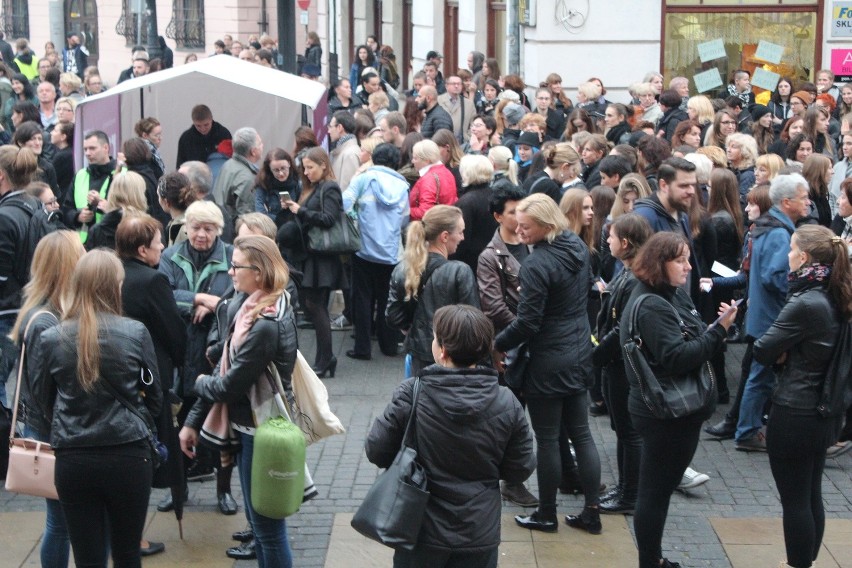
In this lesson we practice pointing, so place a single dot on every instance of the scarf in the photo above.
(808, 276)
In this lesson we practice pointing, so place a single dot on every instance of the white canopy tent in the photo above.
(238, 93)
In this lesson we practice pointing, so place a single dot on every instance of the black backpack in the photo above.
(38, 226)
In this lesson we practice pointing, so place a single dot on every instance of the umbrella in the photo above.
(171, 474)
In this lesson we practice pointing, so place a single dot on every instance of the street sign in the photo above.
(304, 4)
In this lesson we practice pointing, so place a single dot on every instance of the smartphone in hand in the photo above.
(285, 196)
(725, 313)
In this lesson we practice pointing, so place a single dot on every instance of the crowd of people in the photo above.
(500, 228)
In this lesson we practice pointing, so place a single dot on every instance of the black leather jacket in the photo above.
(451, 283)
(272, 338)
(806, 329)
(80, 419)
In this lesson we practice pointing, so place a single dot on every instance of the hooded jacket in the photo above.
(378, 199)
(767, 278)
(470, 433)
(552, 318)
(479, 224)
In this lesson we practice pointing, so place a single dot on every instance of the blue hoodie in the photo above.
(378, 200)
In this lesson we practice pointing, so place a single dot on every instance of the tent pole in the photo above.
(141, 104)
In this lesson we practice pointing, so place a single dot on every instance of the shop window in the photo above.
(16, 19)
(187, 24)
(738, 35)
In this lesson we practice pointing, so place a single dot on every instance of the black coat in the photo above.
(436, 119)
(194, 146)
(592, 175)
(470, 434)
(662, 330)
(552, 318)
(555, 124)
(479, 224)
(321, 270)
(147, 297)
(102, 234)
(63, 165)
(668, 123)
(546, 186)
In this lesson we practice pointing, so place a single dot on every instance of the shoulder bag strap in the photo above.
(126, 403)
(437, 188)
(21, 368)
(410, 427)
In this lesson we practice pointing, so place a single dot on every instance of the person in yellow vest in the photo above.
(83, 206)
(25, 60)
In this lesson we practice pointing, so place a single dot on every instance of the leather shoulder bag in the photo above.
(673, 396)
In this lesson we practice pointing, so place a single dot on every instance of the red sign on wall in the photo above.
(304, 4)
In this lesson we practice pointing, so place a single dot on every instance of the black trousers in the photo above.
(548, 416)
(104, 494)
(733, 414)
(426, 558)
(796, 445)
(370, 289)
(629, 442)
(667, 448)
(316, 308)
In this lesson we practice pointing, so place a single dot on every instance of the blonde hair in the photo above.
(127, 191)
(95, 291)
(631, 183)
(475, 170)
(571, 206)
(379, 98)
(772, 162)
(643, 89)
(67, 100)
(419, 235)
(257, 223)
(544, 211)
(716, 155)
(701, 105)
(590, 90)
(748, 148)
(562, 153)
(262, 252)
(50, 272)
(70, 80)
(369, 144)
(427, 151)
(501, 157)
(205, 212)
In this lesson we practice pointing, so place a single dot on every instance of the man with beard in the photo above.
(83, 206)
(436, 117)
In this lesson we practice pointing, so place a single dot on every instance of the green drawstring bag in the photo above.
(278, 468)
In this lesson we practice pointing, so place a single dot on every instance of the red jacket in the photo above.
(426, 193)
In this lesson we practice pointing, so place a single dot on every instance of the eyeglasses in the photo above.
(728, 122)
(281, 170)
(247, 267)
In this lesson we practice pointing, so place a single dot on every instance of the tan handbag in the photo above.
(31, 463)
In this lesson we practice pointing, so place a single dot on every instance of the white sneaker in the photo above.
(340, 323)
(692, 479)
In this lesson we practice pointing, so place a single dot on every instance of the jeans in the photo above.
(761, 380)
(270, 535)
(426, 558)
(548, 415)
(667, 448)
(55, 544)
(629, 443)
(104, 494)
(796, 446)
(6, 325)
(316, 308)
(370, 289)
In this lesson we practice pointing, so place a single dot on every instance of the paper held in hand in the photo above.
(722, 270)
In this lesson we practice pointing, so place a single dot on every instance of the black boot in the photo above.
(723, 430)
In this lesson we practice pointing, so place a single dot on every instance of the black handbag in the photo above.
(393, 509)
(673, 397)
(836, 395)
(341, 238)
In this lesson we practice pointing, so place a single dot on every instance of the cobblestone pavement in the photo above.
(741, 484)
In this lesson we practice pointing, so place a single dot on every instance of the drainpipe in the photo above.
(513, 38)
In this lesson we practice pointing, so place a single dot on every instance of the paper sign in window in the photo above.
(710, 50)
(768, 51)
(765, 79)
(707, 80)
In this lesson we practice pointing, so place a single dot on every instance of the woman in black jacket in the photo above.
(262, 332)
(552, 320)
(89, 372)
(674, 335)
(425, 280)
(138, 158)
(626, 235)
(802, 339)
(30, 134)
(319, 205)
(469, 433)
(53, 264)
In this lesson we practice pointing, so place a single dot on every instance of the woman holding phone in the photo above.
(277, 179)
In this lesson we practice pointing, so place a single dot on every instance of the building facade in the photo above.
(618, 41)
